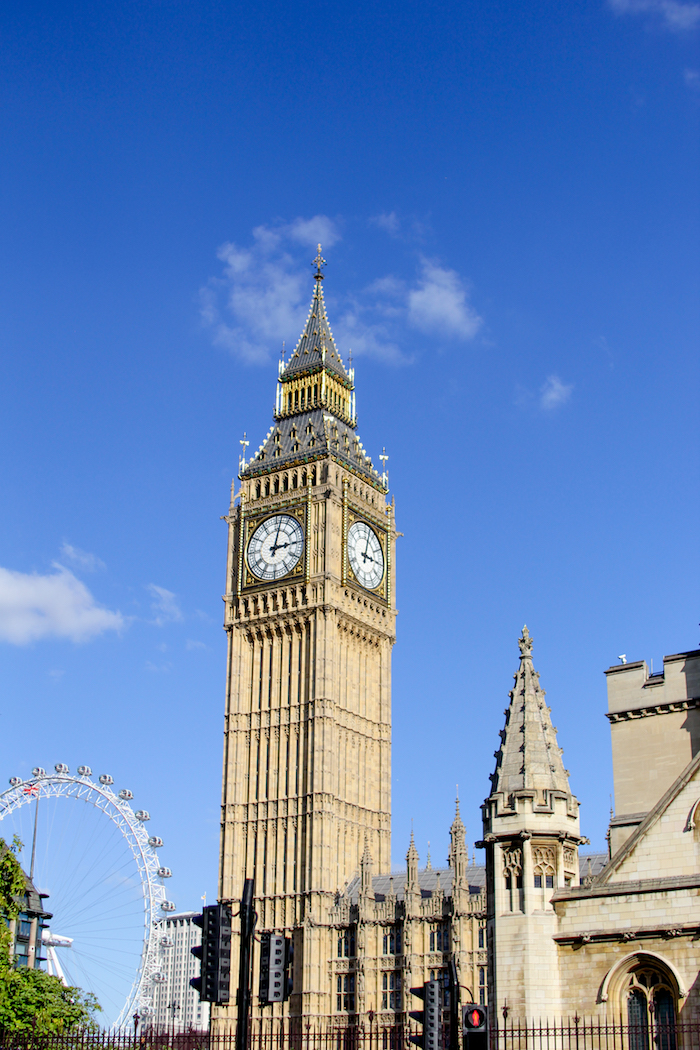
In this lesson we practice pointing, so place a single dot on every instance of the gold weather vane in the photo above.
(318, 262)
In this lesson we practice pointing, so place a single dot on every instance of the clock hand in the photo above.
(279, 526)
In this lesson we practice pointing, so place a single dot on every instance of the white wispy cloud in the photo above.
(677, 15)
(439, 303)
(55, 605)
(692, 79)
(387, 221)
(554, 393)
(263, 297)
(83, 559)
(191, 645)
(164, 605)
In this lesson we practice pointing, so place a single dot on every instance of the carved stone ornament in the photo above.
(525, 643)
(513, 861)
(543, 855)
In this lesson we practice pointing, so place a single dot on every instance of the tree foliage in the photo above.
(32, 1000)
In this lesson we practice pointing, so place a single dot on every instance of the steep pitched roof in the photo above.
(529, 757)
(316, 346)
(307, 436)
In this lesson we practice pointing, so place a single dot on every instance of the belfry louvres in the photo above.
(306, 803)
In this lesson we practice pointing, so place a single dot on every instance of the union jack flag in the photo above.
(30, 789)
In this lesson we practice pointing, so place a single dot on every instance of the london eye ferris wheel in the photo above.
(92, 854)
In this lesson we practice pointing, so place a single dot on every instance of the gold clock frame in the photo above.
(382, 530)
(247, 579)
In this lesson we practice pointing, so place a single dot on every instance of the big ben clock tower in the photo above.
(310, 617)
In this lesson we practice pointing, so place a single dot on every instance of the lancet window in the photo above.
(513, 876)
(346, 944)
(345, 998)
(440, 938)
(392, 941)
(391, 990)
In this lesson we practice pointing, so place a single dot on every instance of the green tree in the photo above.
(32, 1000)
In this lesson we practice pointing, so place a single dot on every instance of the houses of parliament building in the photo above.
(306, 800)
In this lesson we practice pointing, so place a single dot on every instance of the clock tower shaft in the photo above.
(307, 741)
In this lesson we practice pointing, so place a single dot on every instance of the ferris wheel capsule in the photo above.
(126, 795)
(149, 889)
(158, 978)
(167, 942)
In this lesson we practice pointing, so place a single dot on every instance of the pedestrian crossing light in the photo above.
(475, 1027)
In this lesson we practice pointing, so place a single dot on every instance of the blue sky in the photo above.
(507, 196)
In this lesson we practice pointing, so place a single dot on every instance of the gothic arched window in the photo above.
(648, 997)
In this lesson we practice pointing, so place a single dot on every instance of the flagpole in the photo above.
(36, 821)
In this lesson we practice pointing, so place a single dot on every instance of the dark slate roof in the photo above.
(316, 433)
(316, 337)
(427, 879)
(590, 864)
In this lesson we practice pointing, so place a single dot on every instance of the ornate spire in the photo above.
(316, 347)
(459, 856)
(412, 864)
(529, 756)
(315, 412)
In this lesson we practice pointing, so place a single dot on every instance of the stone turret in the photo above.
(531, 835)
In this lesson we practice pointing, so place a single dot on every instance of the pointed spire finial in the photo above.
(244, 442)
(318, 262)
(428, 863)
(525, 643)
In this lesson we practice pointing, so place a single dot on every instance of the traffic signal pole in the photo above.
(248, 918)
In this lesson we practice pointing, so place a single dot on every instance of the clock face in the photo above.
(275, 547)
(365, 554)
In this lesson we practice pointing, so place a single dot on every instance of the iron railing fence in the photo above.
(371, 1033)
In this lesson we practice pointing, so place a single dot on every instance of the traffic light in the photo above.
(475, 1027)
(429, 1039)
(276, 958)
(214, 953)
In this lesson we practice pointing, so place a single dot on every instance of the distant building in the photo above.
(176, 1003)
(617, 941)
(27, 928)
